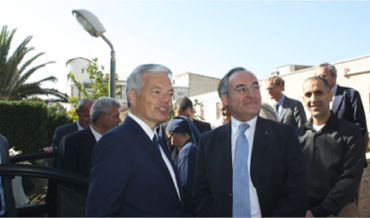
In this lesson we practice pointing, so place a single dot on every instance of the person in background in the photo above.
(183, 134)
(267, 112)
(333, 153)
(132, 173)
(183, 106)
(83, 113)
(75, 153)
(288, 110)
(250, 167)
(225, 116)
(346, 102)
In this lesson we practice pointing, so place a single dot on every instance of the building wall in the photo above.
(209, 108)
(199, 84)
(77, 67)
(190, 84)
(181, 80)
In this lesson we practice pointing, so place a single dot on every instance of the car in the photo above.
(38, 185)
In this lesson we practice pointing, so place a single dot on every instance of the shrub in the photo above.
(24, 124)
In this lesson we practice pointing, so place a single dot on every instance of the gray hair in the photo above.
(83, 102)
(326, 83)
(135, 81)
(223, 87)
(102, 105)
(331, 67)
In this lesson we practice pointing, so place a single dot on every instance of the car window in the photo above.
(35, 184)
(30, 195)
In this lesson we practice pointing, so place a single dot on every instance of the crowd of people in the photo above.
(258, 161)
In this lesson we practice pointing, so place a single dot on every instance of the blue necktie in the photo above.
(241, 199)
(277, 110)
(156, 142)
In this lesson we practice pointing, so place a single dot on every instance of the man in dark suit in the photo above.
(76, 149)
(83, 113)
(288, 110)
(260, 170)
(7, 208)
(346, 102)
(183, 106)
(132, 172)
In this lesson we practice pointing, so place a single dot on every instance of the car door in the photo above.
(35, 183)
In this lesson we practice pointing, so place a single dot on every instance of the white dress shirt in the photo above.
(150, 134)
(79, 127)
(249, 133)
(95, 133)
(334, 90)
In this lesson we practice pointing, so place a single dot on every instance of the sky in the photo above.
(202, 37)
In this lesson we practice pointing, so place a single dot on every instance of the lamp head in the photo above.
(89, 22)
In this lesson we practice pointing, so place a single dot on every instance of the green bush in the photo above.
(30, 125)
(56, 117)
(24, 124)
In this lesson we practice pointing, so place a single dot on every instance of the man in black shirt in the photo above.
(334, 155)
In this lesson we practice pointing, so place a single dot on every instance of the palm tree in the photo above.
(13, 75)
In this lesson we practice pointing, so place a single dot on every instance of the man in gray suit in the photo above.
(289, 111)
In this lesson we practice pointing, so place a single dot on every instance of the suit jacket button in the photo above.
(230, 194)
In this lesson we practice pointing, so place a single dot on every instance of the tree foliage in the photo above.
(14, 73)
(98, 88)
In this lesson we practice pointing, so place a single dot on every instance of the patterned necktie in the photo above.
(241, 199)
(277, 110)
(156, 142)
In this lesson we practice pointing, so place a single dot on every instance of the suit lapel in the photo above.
(178, 180)
(148, 147)
(337, 99)
(226, 168)
(283, 109)
(261, 140)
(90, 138)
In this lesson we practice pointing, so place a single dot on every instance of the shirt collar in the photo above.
(95, 133)
(79, 127)
(281, 101)
(235, 124)
(143, 125)
(330, 122)
(334, 89)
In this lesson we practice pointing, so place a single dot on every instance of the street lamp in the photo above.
(92, 25)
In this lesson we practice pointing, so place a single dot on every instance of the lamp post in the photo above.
(94, 27)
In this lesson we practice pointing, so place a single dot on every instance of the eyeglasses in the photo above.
(244, 89)
(270, 88)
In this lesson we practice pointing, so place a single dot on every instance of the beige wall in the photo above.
(199, 84)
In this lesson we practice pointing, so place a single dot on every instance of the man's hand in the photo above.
(309, 214)
(49, 149)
